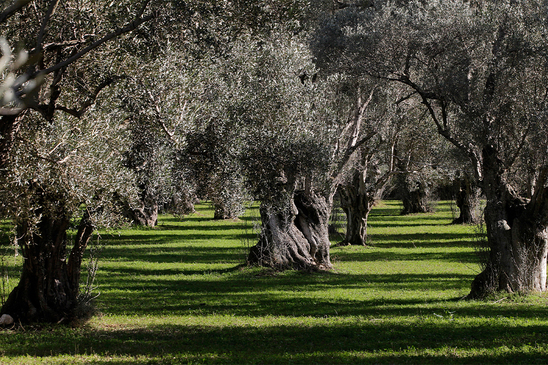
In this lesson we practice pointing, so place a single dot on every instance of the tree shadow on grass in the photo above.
(187, 254)
(233, 291)
(423, 240)
(398, 220)
(192, 236)
(366, 256)
(308, 342)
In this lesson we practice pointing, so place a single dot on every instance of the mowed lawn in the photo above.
(178, 294)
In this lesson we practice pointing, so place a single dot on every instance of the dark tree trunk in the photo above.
(415, 201)
(517, 234)
(226, 209)
(356, 202)
(183, 204)
(467, 200)
(147, 213)
(9, 125)
(48, 287)
(222, 212)
(295, 238)
(414, 196)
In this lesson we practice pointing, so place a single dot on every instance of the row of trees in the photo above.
(123, 109)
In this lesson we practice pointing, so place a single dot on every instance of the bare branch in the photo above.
(91, 98)
(12, 9)
(169, 134)
(126, 29)
(49, 13)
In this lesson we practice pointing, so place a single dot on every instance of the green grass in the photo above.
(177, 295)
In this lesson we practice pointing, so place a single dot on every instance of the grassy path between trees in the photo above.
(177, 295)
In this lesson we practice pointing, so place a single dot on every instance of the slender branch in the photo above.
(126, 29)
(407, 97)
(91, 98)
(10, 111)
(169, 134)
(143, 8)
(442, 126)
(49, 13)
(359, 118)
(12, 9)
(339, 171)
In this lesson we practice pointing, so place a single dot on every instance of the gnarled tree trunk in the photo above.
(467, 200)
(517, 234)
(414, 197)
(147, 213)
(356, 202)
(49, 285)
(296, 237)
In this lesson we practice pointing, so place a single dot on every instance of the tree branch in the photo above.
(348, 154)
(91, 98)
(126, 29)
(49, 13)
(12, 9)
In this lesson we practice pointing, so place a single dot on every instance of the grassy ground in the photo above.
(176, 295)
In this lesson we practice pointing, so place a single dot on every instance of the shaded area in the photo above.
(339, 342)
(416, 240)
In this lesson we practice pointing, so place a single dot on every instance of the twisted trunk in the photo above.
(357, 202)
(467, 200)
(414, 197)
(49, 285)
(517, 234)
(296, 237)
(147, 213)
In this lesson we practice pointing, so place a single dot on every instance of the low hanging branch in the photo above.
(91, 98)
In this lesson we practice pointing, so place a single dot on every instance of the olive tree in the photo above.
(58, 162)
(258, 92)
(301, 134)
(479, 71)
(362, 181)
(63, 171)
(159, 115)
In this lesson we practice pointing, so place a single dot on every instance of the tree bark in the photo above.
(467, 200)
(296, 237)
(222, 211)
(356, 202)
(49, 285)
(517, 235)
(147, 213)
(414, 198)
